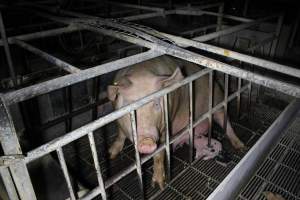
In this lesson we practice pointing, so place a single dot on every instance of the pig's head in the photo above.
(150, 117)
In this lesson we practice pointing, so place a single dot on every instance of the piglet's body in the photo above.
(142, 79)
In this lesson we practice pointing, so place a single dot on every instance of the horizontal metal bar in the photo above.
(71, 136)
(233, 29)
(54, 84)
(243, 171)
(136, 6)
(211, 26)
(115, 178)
(149, 15)
(42, 34)
(57, 62)
(232, 54)
(202, 12)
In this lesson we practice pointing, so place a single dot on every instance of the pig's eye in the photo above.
(156, 105)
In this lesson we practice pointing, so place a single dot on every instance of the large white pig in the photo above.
(150, 76)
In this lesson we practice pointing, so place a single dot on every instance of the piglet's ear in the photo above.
(175, 77)
(112, 92)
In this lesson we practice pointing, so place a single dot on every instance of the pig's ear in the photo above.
(112, 92)
(175, 77)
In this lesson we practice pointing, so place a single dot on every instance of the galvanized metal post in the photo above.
(7, 51)
(167, 132)
(8, 183)
(11, 146)
(219, 20)
(191, 121)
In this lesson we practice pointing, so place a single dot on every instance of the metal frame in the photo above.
(156, 41)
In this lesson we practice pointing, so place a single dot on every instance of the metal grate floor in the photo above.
(279, 173)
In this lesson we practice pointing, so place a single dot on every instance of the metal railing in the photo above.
(144, 37)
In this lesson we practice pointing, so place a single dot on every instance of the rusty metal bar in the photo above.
(167, 132)
(60, 63)
(97, 165)
(137, 154)
(63, 165)
(191, 121)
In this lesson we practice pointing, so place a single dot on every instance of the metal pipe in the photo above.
(149, 15)
(41, 34)
(210, 106)
(8, 183)
(136, 6)
(137, 153)
(235, 55)
(202, 12)
(243, 171)
(191, 32)
(63, 165)
(7, 51)
(238, 102)
(226, 88)
(54, 84)
(191, 121)
(11, 146)
(97, 165)
(57, 62)
(167, 132)
(232, 29)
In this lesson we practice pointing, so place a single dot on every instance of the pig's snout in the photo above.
(147, 145)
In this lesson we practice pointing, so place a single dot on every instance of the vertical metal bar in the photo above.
(294, 31)
(239, 97)
(191, 121)
(63, 165)
(7, 51)
(246, 5)
(68, 104)
(277, 34)
(95, 97)
(210, 105)
(226, 88)
(97, 165)
(137, 154)
(220, 18)
(168, 151)
(9, 184)
(11, 146)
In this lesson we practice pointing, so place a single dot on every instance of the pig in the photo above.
(140, 80)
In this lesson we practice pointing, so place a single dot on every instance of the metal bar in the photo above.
(136, 6)
(238, 102)
(8, 184)
(11, 146)
(63, 165)
(96, 191)
(277, 34)
(191, 121)
(137, 154)
(7, 51)
(190, 32)
(54, 84)
(202, 12)
(294, 33)
(239, 56)
(243, 171)
(167, 132)
(97, 165)
(149, 15)
(42, 34)
(226, 90)
(232, 29)
(220, 17)
(60, 63)
(210, 106)
(246, 5)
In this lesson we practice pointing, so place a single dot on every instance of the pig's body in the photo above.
(145, 78)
